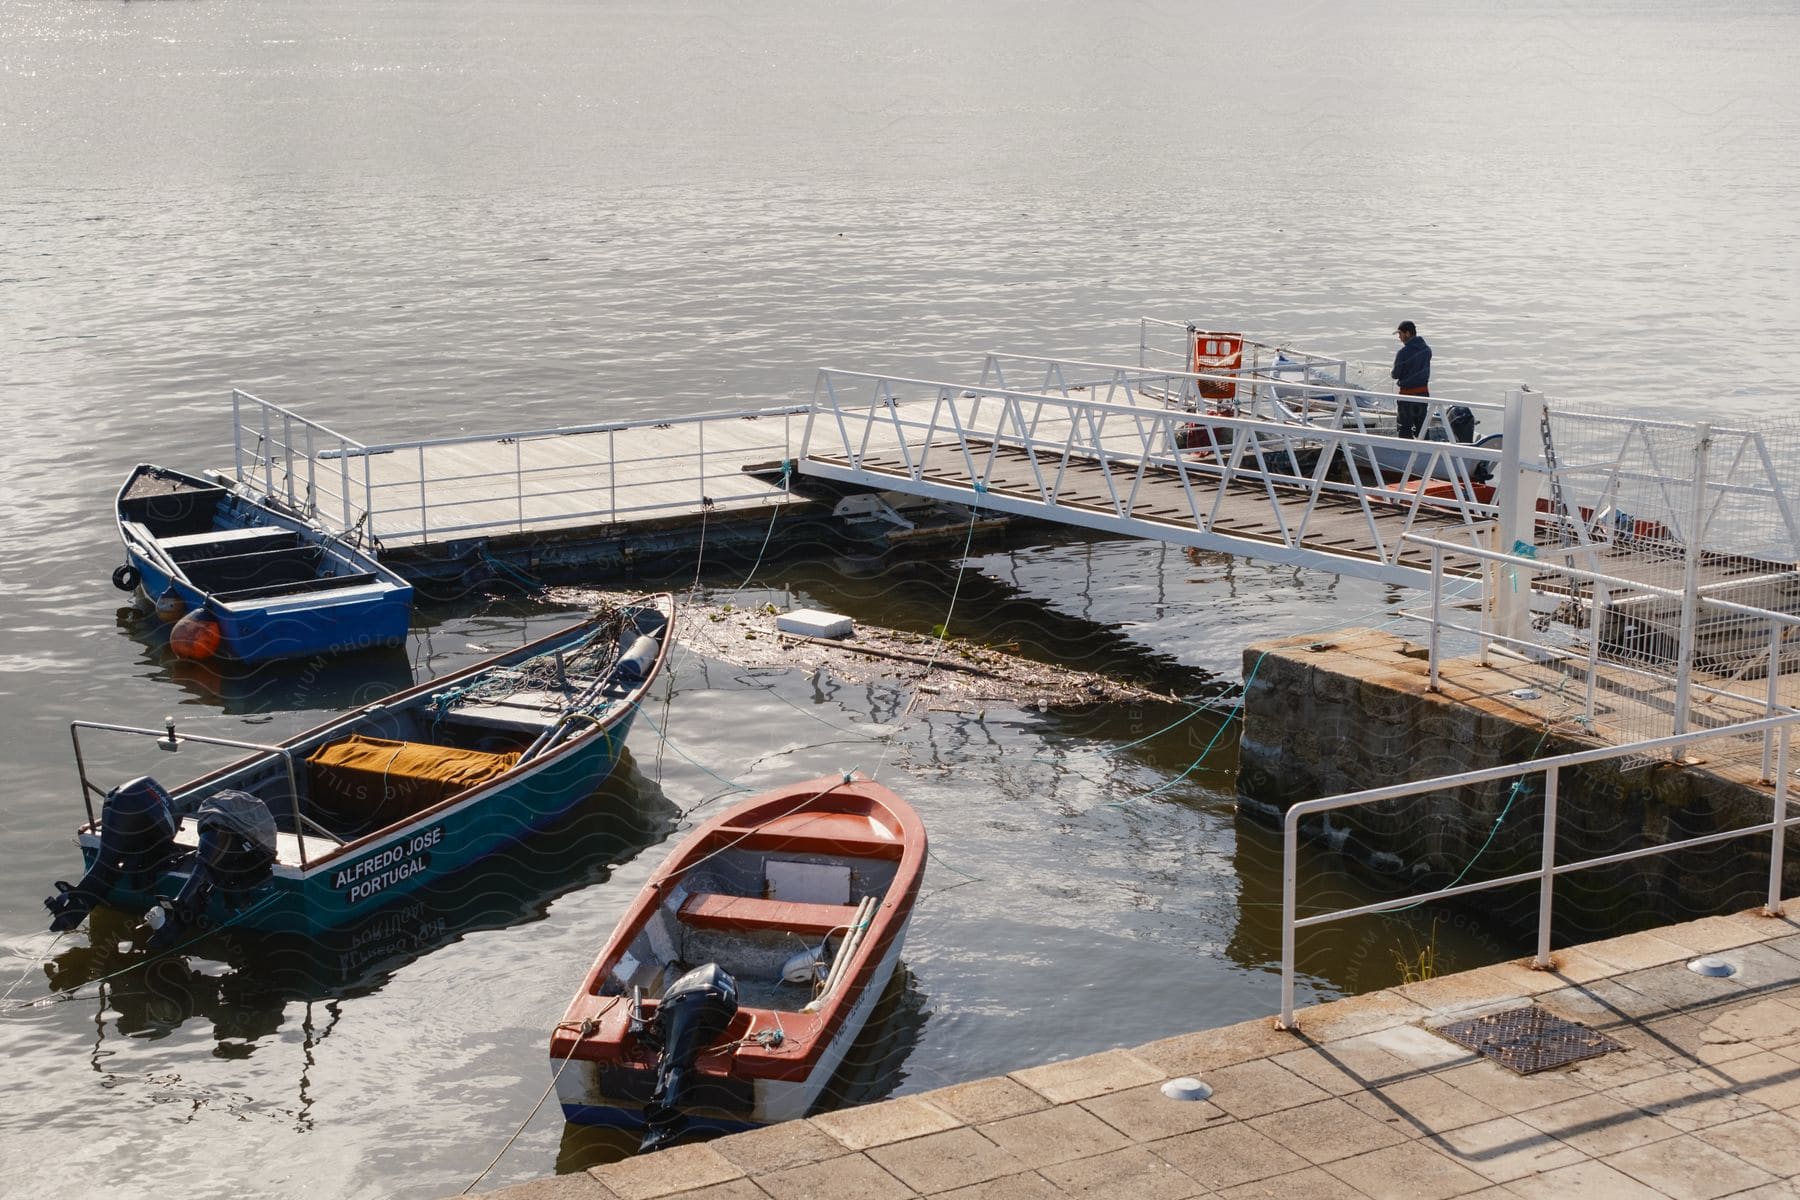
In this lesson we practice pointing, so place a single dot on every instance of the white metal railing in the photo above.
(1596, 598)
(612, 487)
(302, 463)
(944, 437)
(1549, 868)
(429, 488)
(1311, 391)
(168, 739)
(1169, 345)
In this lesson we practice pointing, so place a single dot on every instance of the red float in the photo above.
(170, 607)
(196, 636)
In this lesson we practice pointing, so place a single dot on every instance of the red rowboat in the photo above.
(730, 992)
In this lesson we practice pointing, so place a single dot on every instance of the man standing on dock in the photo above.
(1412, 374)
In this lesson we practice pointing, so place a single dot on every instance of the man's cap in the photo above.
(1406, 327)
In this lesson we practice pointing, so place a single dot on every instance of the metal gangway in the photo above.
(1293, 472)
(1592, 534)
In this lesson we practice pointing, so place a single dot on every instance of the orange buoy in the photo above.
(196, 635)
(170, 606)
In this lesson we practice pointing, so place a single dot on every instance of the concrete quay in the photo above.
(1364, 1100)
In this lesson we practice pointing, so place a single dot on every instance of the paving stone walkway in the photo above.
(1702, 1101)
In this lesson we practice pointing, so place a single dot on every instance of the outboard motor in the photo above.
(236, 855)
(692, 1013)
(1461, 419)
(137, 843)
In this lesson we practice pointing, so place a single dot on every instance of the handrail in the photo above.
(304, 455)
(1780, 623)
(735, 414)
(1574, 572)
(1548, 868)
(309, 461)
(857, 412)
(173, 741)
(1108, 408)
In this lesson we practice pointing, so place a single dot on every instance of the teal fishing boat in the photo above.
(316, 831)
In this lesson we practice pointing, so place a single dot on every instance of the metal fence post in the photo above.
(1437, 609)
(1778, 839)
(1775, 628)
(1547, 867)
(369, 494)
(312, 473)
(1290, 869)
(237, 434)
(1598, 599)
(424, 506)
(287, 455)
(267, 459)
(1690, 585)
(1517, 503)
(344, 482)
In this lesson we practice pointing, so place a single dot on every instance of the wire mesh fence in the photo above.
(1666, 565)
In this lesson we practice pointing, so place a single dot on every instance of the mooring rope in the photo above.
(943, 631)
(587, 1028)
(70, 993)
(1236, 709)
(30, 967)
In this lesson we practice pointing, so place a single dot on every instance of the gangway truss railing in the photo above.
(1167, 473)
(1549, 869)
(1313, 392)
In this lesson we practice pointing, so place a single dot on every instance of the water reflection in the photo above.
(1363, 954)
(244, 984)
(334, 682)
(875, 1065)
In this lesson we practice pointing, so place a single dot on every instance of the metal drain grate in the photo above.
(1528, 1040)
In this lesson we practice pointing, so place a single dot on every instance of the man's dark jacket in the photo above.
(1412, 366)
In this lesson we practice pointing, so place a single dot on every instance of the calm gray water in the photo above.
(427, 217)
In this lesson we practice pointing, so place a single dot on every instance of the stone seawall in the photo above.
(1354, 712)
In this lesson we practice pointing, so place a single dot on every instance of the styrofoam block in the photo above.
(810, 622)
(807, 882)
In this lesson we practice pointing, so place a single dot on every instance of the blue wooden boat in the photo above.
(243, 578)
(317, 831)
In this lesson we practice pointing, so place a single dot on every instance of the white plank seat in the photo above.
(529, 711)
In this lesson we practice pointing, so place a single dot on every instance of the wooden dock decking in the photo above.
(1337, 526)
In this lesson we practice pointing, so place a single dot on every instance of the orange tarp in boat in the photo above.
(371, 782)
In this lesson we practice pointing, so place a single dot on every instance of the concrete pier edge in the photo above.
(1364, 1100)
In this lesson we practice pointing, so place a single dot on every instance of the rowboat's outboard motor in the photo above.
(694, 1011)
(236, 855)
(137, 841)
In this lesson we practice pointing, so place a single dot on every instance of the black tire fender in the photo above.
(125, 578)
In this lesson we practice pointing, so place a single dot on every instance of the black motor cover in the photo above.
(691, 1015)
(236, 855)
(1461, 419)
(137, 842)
